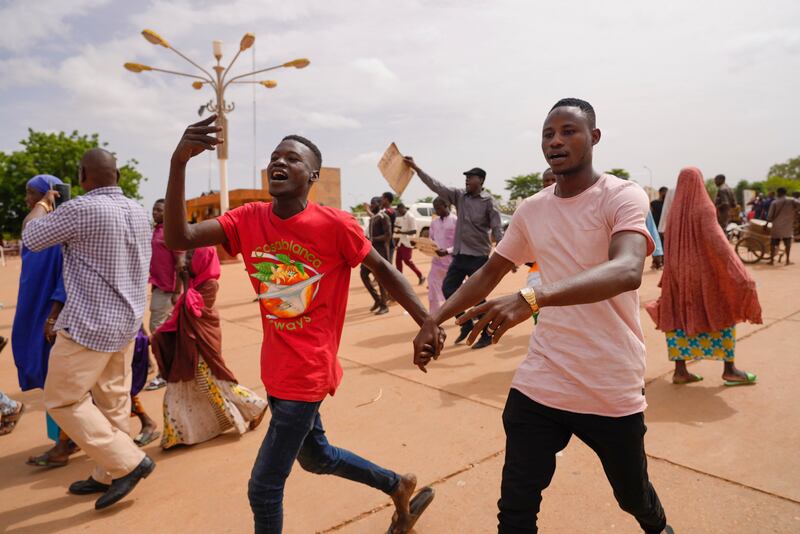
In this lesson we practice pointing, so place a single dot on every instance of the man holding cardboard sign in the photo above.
(477, 216)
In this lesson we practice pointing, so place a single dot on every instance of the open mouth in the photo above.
(278, 176)
(556, 157)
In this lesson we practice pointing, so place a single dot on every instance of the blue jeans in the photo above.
(295, 432)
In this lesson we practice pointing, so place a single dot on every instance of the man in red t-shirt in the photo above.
(299, 256)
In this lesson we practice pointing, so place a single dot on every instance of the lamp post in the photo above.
(218, 81)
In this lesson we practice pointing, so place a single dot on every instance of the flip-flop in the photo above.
(697, 378)
(44, 460)
(751, 381)
(417, 505)
(146, 437)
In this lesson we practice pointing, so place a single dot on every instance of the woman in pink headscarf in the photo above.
(705, 288)
(203, 399)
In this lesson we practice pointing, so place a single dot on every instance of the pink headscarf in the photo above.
(705, 287)
(205, 266)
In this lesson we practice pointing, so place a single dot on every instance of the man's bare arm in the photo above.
(179, 234)
(621, 273)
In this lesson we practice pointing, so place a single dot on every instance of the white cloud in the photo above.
(331, 121)
(367, 158)
(23, 23)
(418, 73)
(24, 71)
(376, 69)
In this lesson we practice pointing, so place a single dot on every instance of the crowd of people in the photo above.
(87, 263)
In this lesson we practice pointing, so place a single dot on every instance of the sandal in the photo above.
(695, 378)
(146, 437)
(417, 505)
(750, 380)
(45, 460)
(10, 421)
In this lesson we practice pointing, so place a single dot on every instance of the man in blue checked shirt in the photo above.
(106, 239)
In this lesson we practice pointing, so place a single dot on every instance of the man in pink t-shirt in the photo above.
(299, 256)
(584, 372)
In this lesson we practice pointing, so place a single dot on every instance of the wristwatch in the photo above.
(529, 295)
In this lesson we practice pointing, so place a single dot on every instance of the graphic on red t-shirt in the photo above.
(300, 270)
(287, 286)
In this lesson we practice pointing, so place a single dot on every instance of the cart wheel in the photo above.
(750, 250)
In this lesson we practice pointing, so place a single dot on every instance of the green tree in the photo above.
(790, 169)
(58, 154)
(496, 197)
(711, 188)
(620, 173)
(524, 185)
(774, 182)
(425, 200)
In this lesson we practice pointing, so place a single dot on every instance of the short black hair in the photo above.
(663, 189)
(388, 196)
(720, 176)
(442, 200)
(159, 201)
(401, 205)
(781, 191)
(583, 105)
(311, 146)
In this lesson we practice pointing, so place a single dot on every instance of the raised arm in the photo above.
(447, 193)
(621, 273)
(179, 234)
(44, 228)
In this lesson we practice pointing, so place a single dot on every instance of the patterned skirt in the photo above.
(719, 345)
(202, 409)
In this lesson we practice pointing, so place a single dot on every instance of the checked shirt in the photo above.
(106, 242)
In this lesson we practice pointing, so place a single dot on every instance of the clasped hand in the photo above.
(496, 316)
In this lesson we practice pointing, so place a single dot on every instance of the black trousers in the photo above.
(381, 295)
(461, 268)
(535, 433)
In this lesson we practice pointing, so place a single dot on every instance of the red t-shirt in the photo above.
(300, 268)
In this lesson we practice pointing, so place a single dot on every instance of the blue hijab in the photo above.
(40, 284)
(43, 182)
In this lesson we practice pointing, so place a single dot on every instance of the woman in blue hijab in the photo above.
(41, 297)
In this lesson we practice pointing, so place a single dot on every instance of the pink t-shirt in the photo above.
(162, 262)
(587, 358)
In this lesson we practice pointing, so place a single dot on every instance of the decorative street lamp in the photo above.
(219, 82)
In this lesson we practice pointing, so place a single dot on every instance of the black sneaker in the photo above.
(87, 487)
(466, 328)
(668, 530)
(120, 487)
(484, 341)
(382, 310)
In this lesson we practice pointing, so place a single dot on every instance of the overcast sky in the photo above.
(456, 83)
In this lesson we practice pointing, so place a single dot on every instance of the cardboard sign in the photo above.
(425, 245)
(396, 171)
